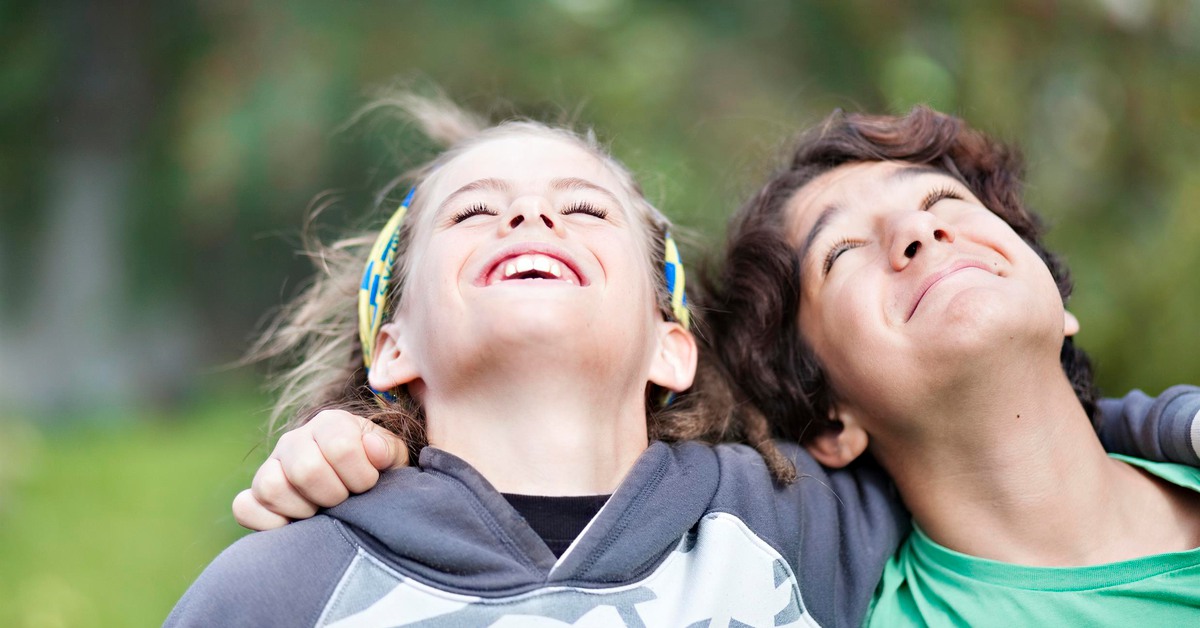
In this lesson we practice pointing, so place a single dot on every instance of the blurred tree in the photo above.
(77, 329)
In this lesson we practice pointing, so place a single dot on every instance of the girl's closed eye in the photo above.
(584, 207)
(478, 209)
(836, 251)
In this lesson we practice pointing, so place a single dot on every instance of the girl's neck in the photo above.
(542, 435)
(1021, 477)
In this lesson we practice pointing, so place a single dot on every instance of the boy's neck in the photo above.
(542, 435)
(1018, 475)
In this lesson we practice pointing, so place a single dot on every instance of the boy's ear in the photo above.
(836, 448)
(391, 367)
(1070, 324)
(674, 364)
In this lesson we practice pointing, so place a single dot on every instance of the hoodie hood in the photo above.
(445, 523)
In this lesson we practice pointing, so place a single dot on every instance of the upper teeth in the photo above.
(535, 261)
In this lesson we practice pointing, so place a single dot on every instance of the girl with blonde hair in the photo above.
(521, 318)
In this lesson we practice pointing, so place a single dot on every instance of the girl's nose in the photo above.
(531, 211)
(520, 218)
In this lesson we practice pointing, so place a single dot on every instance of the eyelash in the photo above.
(939, 194)
(845, 244)
(474, 210)
(836, 250)
(584, 207)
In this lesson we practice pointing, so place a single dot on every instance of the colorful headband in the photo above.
(372, 292)
(673, 271)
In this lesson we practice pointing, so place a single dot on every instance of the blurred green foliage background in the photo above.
(157, 159)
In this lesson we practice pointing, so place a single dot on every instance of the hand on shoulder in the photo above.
(318, 464)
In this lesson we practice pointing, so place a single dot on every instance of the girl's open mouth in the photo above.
(532, 266)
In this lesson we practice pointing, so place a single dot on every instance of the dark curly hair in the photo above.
(752, 300)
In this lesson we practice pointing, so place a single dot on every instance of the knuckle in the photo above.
(302, 510)
(362, 480)
(306, 471)
(329, 417)
(286, 441)
(332, 496)
(270, 486)
(342, 449)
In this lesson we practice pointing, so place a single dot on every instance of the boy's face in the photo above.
(527, 241)
(907, 282)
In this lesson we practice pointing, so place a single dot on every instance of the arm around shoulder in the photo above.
(1164, 428)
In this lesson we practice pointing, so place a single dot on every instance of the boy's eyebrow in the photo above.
(907, 172)
(822, 221)
(575, 183)
(916, 170)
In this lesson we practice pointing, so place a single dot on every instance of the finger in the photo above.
(311, 475)
(341, 444)
(253, 515)
(272, 489)
(384, 449)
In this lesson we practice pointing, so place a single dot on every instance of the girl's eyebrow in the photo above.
(575, 183)
(499, 185)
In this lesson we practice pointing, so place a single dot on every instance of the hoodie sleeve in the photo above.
(1161, 429)
(835, 527)
(853, 521)
(281, 577)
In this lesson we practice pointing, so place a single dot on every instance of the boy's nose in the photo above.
(914, 232)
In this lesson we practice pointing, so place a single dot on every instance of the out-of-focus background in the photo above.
(157, 158)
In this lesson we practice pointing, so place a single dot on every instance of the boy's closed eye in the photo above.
(835, 251)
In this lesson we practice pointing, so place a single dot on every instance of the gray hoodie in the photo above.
(695, 535)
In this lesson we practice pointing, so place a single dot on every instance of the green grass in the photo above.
(107, 525)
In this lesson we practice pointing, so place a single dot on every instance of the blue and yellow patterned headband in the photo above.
(373, 290)
(673, 271)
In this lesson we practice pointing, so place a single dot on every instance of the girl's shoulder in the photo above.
(278, 577)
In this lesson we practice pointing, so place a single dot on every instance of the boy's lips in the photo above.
(532, 262)
(933, 279)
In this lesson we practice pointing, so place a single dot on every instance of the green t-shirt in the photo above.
(927, 584)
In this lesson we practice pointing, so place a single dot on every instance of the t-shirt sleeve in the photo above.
(1163, 429)
(281, 577)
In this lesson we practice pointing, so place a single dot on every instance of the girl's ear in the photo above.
(391, 367)
(1070, 324)
(836, 448)
(674, 363)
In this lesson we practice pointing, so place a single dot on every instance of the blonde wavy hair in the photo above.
(313, 341)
